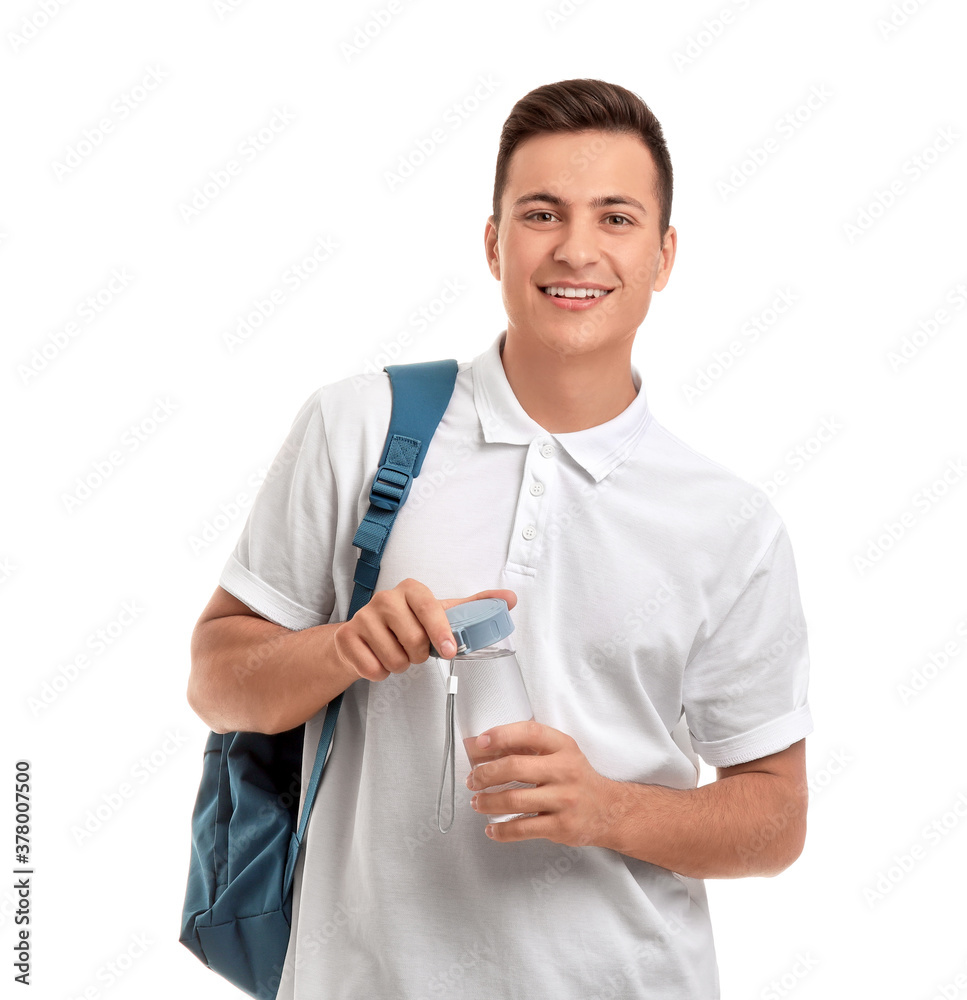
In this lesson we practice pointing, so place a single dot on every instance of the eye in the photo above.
(624, 223)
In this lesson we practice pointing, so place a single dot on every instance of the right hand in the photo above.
(395, 628)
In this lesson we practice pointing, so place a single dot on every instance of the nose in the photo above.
(578, 244)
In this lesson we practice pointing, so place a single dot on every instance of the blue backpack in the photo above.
(246, 831)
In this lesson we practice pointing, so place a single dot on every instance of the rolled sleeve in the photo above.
(745, 689)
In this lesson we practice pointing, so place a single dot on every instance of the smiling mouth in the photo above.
(560, 292)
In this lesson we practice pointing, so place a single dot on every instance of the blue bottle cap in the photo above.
(476, 624)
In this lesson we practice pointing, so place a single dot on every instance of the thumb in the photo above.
(507, 595)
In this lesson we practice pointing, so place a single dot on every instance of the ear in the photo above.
(668, 249)
(490, 247)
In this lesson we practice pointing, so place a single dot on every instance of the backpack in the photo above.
(246, 831)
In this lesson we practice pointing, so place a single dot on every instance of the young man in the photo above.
(643, 591)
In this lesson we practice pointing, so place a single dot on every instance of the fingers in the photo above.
(513, 801)
(569, 798)
(355, 651)
(396, 627)
(521, 829)
(519, 737)
(507, 595)
(431, 621)
(394, 630)
(529, 769)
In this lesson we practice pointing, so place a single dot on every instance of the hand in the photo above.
(574, 804)
(395, 628)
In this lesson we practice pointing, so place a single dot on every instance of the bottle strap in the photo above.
(449, 749)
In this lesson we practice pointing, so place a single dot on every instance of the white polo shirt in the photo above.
(651, 581)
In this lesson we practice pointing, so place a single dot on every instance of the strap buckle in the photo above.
(391, 486)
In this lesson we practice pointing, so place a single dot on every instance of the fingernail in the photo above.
(483, 741)
(448, 648)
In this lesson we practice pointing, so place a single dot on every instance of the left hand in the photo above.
(574, 804)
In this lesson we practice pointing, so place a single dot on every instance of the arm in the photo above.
(750, 821)
(249, 674)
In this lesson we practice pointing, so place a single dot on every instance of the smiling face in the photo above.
(579, 216)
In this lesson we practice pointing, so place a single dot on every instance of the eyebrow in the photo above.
(601, 201)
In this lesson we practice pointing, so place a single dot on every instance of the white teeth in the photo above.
(575, 293)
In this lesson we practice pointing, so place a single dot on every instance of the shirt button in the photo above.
(529, 532)
(547, 450)
(537, 489)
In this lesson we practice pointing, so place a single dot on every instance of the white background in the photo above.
(848, 919)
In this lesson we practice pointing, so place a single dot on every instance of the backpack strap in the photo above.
(421, 394)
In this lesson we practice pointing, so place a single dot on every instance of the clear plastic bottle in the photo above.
(485, 688)
(490, 693)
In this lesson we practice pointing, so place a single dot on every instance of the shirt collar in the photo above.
(599, 450)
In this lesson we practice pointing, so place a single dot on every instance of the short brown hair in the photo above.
(585, 105)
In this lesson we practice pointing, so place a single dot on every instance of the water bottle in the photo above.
(484, 687)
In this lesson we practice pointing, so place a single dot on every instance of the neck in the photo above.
(568, 392)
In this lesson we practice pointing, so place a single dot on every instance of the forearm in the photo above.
(747, 824)
(251, 675)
